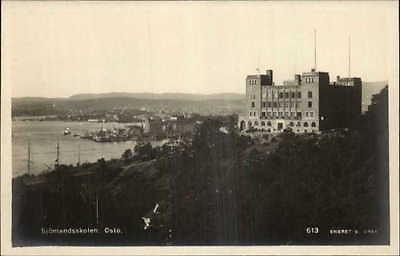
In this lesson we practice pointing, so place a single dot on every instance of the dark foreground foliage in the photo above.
(221, 189)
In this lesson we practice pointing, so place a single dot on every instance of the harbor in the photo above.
(74, 148)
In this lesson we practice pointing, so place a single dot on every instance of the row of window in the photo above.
(298, 130)
(274, 104)
(284, 114)
(252, 81)
(269, 104)
(291, 124)
(309, 114)
(307, 80)
(310, 79)
(286, 95)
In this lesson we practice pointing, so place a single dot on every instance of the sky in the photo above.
(58, 49)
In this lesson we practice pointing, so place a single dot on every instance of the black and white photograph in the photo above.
(212, 125)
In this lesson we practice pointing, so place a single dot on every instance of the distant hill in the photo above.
(160, 96)
(209, 105)
(223, 103)
(369, 89)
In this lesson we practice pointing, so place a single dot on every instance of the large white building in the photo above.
(309, 103)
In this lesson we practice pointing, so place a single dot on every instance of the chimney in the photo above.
(270, 77)
(297, 78)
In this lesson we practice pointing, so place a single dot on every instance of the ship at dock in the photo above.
(108, 135)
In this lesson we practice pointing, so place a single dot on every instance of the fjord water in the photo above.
(43, 136)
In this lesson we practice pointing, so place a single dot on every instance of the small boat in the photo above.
(67, 131)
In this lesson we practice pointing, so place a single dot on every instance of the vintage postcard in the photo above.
(215, 127)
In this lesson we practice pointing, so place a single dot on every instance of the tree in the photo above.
(144, 151)
(127, 155)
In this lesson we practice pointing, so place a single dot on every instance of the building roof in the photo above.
(254, 76)
(312, 72)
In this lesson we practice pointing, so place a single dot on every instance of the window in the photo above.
(280, 114)
(281, 95)
(269, 123)
(263, 114)
(274, 114)
(262, 123)
(292, 95)
(275, 104)
(291, 113)
(298, 125)
(253, 105)
(264, 104)
(291, 124)
(268, 113)
(310, 104)
(269, 104)
(311, 114)
(305, 124)
(254, 113)
(249, 123)
(310, 95)
(286, 95)
(313, 124)
(299, 95)
(251, 113)
(255, 122)
(299, 114)
(306, 114)
(286, 113)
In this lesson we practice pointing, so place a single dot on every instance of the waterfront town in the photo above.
(310, 103)
(144, 127)
(165, 125)
(210, 164)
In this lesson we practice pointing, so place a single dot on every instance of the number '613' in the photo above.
(312, 230)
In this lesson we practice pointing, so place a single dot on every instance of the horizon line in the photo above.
(157, 93)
